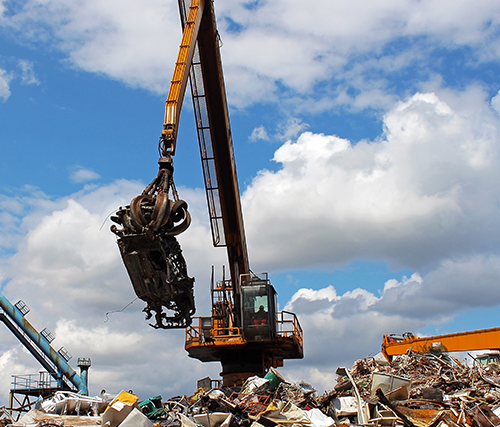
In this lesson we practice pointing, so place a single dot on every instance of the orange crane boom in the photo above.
(483, 339)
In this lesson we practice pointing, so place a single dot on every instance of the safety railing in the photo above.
(35, 349)
(42, 380)
(200, 333)
(288, 326)
(193, 333)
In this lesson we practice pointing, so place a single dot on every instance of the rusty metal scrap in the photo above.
(414, 390)
(443, 391)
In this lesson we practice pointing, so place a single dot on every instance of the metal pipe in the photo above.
(24, 341)
(42, 343)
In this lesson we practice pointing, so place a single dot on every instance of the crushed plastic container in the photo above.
(136, 419)
(119, 409)
(389, 383)
(274, 379)
(152, 407)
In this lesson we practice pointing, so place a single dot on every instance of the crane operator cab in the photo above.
(258, 307)
(245, 333)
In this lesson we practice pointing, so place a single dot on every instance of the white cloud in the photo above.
(495, 102)
(291, 128)
(80, 174)
(340, 329)
(28, 75)
(299, 46)
(66, 266)
(335, 50)
(259, 133)
(5, 79)
(124, 41)
(422, 195)
(12, 362)
(419, 194)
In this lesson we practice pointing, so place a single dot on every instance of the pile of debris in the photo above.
(413, 391)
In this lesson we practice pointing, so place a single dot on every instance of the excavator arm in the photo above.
(216, 131)
(483, 339)
(244, 331)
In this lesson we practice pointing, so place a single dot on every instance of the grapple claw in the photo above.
(151, 254)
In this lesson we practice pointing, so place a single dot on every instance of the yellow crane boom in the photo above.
(173, 104)
(482, 339)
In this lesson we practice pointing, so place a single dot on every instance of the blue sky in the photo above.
(367, 145)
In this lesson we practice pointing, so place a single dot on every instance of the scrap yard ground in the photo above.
(415, 390)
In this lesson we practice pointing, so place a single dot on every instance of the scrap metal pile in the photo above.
(414, 390)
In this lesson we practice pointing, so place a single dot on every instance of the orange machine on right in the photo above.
(483, 339)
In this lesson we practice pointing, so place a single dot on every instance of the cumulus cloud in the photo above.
(125, 42)
(344, 328)
(341, 329)
(27, 76)
(338, 51)
(259, 133)
(495, 102)
(63, 261)
(12, 361)
(419, 194)
(332, 50)
(291, 128)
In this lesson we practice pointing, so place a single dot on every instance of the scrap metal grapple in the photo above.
(151, 254)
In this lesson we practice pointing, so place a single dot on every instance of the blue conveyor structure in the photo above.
(38, 344)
